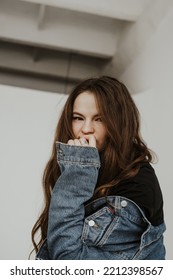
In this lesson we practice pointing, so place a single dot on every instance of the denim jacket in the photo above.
(112, 228)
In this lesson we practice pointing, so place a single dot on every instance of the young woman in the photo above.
(102, 197)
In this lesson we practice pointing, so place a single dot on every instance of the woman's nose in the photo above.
(87, 127)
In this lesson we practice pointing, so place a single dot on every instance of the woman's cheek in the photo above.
(76, 129)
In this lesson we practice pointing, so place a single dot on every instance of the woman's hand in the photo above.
(89, 141)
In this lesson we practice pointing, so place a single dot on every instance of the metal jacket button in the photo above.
(91, 223)
(123, 203)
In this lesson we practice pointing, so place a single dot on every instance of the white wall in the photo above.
(151, 76)
(27, 123)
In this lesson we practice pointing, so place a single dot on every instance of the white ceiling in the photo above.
(89, 27)
(117, 9)
(63, 39)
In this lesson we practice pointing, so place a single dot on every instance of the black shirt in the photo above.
(144, 190)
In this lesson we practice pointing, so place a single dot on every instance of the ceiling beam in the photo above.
(58, 29)
(51, 63)
(117, 9)
(41, 16)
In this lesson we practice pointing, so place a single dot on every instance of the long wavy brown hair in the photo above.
(123, 153)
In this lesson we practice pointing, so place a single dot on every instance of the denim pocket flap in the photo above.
(98, 226)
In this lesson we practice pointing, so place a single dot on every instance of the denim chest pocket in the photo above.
(98, 226)
(118, 231)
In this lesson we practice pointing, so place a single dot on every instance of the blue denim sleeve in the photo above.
(79, 172)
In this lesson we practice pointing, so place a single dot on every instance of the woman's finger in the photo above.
(83, 141)
(70, 142)
(77, 142)
(92, 141)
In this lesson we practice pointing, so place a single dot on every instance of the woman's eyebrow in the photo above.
(77, 113)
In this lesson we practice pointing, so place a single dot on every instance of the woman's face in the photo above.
(86, 119)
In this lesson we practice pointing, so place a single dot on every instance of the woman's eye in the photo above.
(76, 118)
(98, 120)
